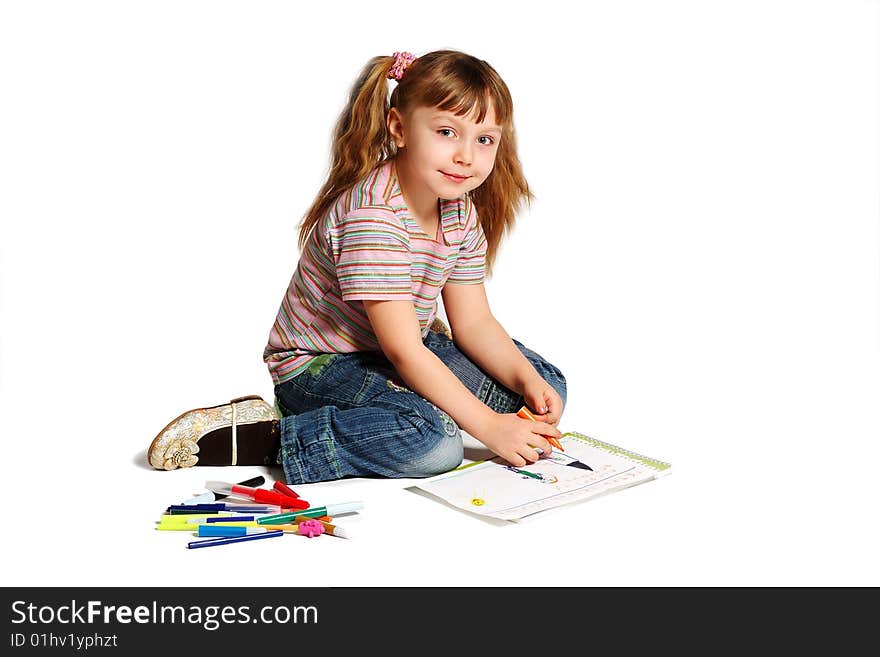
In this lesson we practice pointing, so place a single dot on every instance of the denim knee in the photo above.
(435, 448)
(558, 383)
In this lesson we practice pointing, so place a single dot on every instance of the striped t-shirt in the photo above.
(370, 247)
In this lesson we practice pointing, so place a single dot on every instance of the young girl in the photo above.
(368, 381)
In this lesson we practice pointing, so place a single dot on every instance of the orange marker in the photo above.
(333, 530)
(526, 414)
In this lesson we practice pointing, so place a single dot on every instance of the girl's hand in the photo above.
(543, 400)
(514, 439)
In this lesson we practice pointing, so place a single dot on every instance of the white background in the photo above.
(701, 261)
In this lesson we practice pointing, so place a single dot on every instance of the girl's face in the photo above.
(449, 154)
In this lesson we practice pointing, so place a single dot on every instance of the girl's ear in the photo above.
(395, 127)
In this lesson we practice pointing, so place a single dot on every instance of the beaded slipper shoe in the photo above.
(242, 432)
(439, 326)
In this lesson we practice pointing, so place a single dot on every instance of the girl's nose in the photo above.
(464, 153)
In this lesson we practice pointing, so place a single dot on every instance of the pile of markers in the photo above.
(232, 513)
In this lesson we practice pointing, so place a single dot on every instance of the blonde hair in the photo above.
(451, 81)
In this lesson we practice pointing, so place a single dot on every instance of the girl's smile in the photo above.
(454, 178)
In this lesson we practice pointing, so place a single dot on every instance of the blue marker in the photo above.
(196, 508)
(220, 530)
(253, 508)
(230, 518)
(211, 542)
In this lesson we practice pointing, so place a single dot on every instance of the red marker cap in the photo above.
(271, 497)
(282, 488)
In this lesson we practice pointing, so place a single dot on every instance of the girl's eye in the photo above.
(444, 131)
(489, 141)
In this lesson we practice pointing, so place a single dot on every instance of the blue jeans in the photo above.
(349, 415)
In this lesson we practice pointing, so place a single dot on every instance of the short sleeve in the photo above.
(371, 251)
(470, 266)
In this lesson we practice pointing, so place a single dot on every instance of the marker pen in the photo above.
(253, 508)
(211, 496)
(329, 510)
(281, 487)
(230, 519)
(526, 414)
(208, 530)
(197, 508)
(333, 530)
(226, 540)
(257, 494)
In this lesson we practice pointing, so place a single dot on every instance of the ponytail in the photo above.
(360, 140)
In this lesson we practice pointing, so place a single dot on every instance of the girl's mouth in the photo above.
(452, 177)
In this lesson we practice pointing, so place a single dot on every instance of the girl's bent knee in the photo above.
(560, 386)
(445, 456)
(437, 449)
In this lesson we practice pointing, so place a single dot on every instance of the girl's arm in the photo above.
(479, 335)
(397, 329)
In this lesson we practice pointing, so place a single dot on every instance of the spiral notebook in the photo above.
(586, 469)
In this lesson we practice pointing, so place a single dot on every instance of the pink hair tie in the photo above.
(402, 60)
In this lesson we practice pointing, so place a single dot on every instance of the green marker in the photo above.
(329, 510)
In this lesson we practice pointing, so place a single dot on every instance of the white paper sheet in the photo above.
(495, 489)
